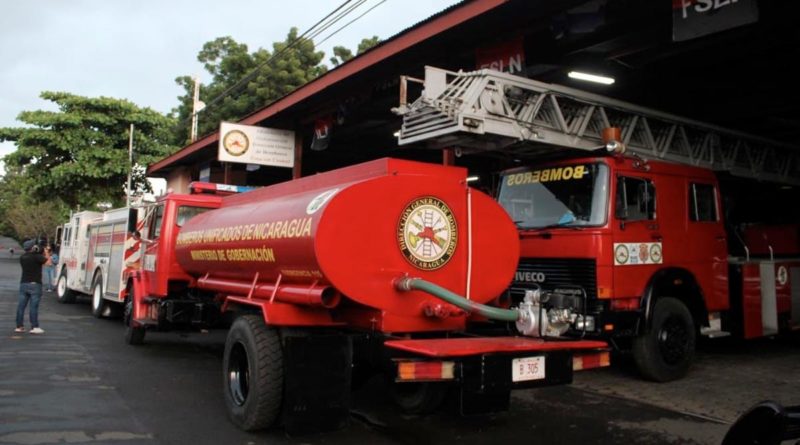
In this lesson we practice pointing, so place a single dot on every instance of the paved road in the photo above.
(79, 383)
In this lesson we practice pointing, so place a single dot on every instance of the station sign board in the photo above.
(248, 144)
(696, 18)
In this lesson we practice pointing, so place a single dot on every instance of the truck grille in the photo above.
(553, 273)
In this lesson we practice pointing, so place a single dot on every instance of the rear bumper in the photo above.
(485, 364)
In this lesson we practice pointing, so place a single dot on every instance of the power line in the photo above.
(252, 73)
(349, 23)
(329, 20)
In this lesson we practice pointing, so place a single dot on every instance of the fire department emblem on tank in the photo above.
(427, 233)
(236, 142)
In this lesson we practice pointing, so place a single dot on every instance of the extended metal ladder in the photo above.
(489, 110)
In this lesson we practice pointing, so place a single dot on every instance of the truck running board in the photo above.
(706, 332)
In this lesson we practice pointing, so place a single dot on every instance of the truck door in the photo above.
(92, 260)
(709, 252)
(637, 239)
(150, 239)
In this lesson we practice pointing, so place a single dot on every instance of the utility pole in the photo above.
(130, 166)
(197, 106)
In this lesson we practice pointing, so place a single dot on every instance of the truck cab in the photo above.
(157, 288)
(162, 223)
(624, 249)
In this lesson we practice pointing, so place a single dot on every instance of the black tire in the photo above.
(64, 294)
(99, 304)
(418, 398)
(115, 310)
(133, 335)
(666, 351)
(253, 374)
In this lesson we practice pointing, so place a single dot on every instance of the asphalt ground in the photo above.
(79, 383)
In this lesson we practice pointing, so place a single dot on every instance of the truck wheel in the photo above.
(665, 352)
(253, 373)
(99, 305)
(133, 335)
(63, 293)
(418, 398)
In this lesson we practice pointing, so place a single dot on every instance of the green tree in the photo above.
(22, 216)
(228, 61)
(79, 154)
(366, 44)
(342, 54)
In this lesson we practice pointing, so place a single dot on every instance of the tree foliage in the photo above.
(342, 54)
(34, 219)
(79, 154)
(228, 61)
(22, 216)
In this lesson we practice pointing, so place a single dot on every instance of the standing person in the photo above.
(30, 287)
(50, 268)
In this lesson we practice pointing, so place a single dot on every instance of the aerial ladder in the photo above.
(487, 110)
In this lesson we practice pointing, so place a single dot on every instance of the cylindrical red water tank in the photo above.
(357, 230)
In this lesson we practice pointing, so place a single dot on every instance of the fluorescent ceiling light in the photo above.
(591, 77)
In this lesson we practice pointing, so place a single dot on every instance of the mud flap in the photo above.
(487, 383)
(317, 377)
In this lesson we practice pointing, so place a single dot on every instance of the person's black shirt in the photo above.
(32, 267)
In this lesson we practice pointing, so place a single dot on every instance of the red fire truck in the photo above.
(638, 251)
(391, 266)
(622, 248)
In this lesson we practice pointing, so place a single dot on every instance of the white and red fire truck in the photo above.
(95, 250)
(620, 214)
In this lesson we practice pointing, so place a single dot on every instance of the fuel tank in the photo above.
(357, 230)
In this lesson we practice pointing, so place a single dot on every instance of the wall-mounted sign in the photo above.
(508, 56)
(695, 18)
(249, 144)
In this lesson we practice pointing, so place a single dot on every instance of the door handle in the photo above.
(720, 238)
(657, 237)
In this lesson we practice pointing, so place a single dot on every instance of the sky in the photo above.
(134, 49)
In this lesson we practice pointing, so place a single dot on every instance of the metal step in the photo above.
(706, 332)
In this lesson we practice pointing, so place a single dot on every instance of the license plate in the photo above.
(527, 368)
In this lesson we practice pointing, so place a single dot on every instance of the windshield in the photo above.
(186, 213)
(572, 195)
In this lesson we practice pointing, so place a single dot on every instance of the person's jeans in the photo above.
(48, 277)
(29, 292)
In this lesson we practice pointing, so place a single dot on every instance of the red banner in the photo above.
(508, 56)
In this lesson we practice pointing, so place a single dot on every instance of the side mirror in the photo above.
(133, 216)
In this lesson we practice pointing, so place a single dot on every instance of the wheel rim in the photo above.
(97, 295)
(673, 340)
(62, 285)
(238, 374)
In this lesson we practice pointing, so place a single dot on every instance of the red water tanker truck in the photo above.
(391, 266)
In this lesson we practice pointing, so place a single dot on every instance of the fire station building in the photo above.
(717, 62)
